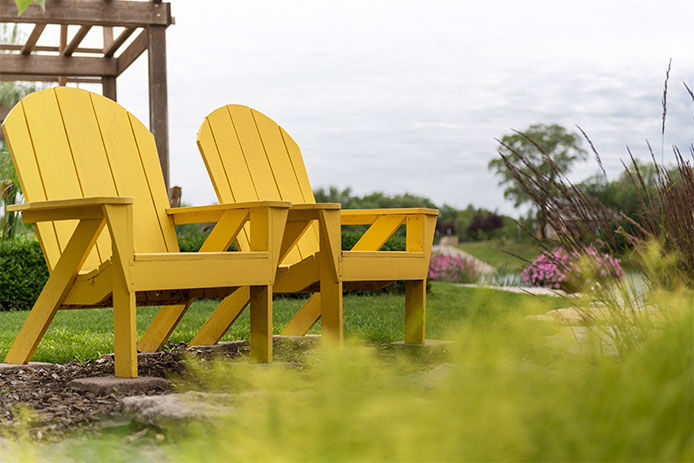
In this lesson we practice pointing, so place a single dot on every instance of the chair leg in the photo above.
(124, 333)
(331, 310)
(305, 318)
(162, 326)
(261, 324)
(32, 330)
(222, 318)
(57, 286)
(415, 311)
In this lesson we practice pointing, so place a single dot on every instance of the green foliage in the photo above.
(23, 273)
(621, 196)
(191, 236)
(22, 5)
(540, 152)
(552, 151)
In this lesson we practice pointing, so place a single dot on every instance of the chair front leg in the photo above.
(330, 276)
(261, 324)
(415, 311)
(120, 224)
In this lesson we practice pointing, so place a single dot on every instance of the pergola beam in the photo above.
(47, 78)
(33, 38)
(76, 40)
(90, 13)
(57, 65)
(16, 47)
(134, 50)
(111, 48)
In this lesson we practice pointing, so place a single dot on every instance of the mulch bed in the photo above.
(55, 408)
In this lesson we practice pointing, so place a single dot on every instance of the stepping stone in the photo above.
(7, 367)
(111, 384)
(171, 407)
(431, 343)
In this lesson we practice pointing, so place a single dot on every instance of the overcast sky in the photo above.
(401, 96)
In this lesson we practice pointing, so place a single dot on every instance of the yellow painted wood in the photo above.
(330, 278)
(84, 161)
(184, 271)
(221, 237)
(369, 216)
(58, 171)
(222, 318)
(22, 151)
(165, 321)
(378, 233)
(204, 214)
(248, 156)
(261, 324)
(415, 311)
(305, 318)
(119, 219)
(54, 291)
(225, 231)
(292, 234)
(296, 277)
(88, 154)
(134, 164)
(414, 234)
(383, 265)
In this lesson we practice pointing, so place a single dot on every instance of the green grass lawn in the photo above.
(496, 253)
(83, 335)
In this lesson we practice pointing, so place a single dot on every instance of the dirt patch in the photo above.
(55, 408)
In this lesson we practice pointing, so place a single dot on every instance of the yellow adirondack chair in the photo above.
(84, 164)
(249, 157)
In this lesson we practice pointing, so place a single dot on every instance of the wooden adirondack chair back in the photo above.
(249, 157)
(69, 143)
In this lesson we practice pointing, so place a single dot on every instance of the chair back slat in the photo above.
(70, 143)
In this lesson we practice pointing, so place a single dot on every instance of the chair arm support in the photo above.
(306, 212)
(208, 214)
(68, 209)
(369, 216)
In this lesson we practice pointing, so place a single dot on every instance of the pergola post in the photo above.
(71, 62)
(158, 97)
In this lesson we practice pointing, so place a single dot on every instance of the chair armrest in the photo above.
(306, 212)
(207, 214)
(67, 209)
(368, 216)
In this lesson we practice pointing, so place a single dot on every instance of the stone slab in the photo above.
(170, 407)
(7, 367)
(111, 384)
(427, 343)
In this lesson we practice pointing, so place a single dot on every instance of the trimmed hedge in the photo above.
(23, 273)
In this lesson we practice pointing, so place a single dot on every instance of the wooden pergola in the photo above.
(67, 61)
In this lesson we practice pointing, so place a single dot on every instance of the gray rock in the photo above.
(111, 384)
(174, 407)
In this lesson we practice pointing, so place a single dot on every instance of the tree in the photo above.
(542, 150)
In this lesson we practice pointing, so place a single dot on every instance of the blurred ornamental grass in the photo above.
(455, 269)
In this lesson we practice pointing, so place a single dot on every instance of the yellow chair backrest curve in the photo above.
(260, 162)
(68, 143)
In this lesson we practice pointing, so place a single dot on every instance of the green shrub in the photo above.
(23, 273)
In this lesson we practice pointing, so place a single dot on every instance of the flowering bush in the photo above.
(452, 268)
(560, 270)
